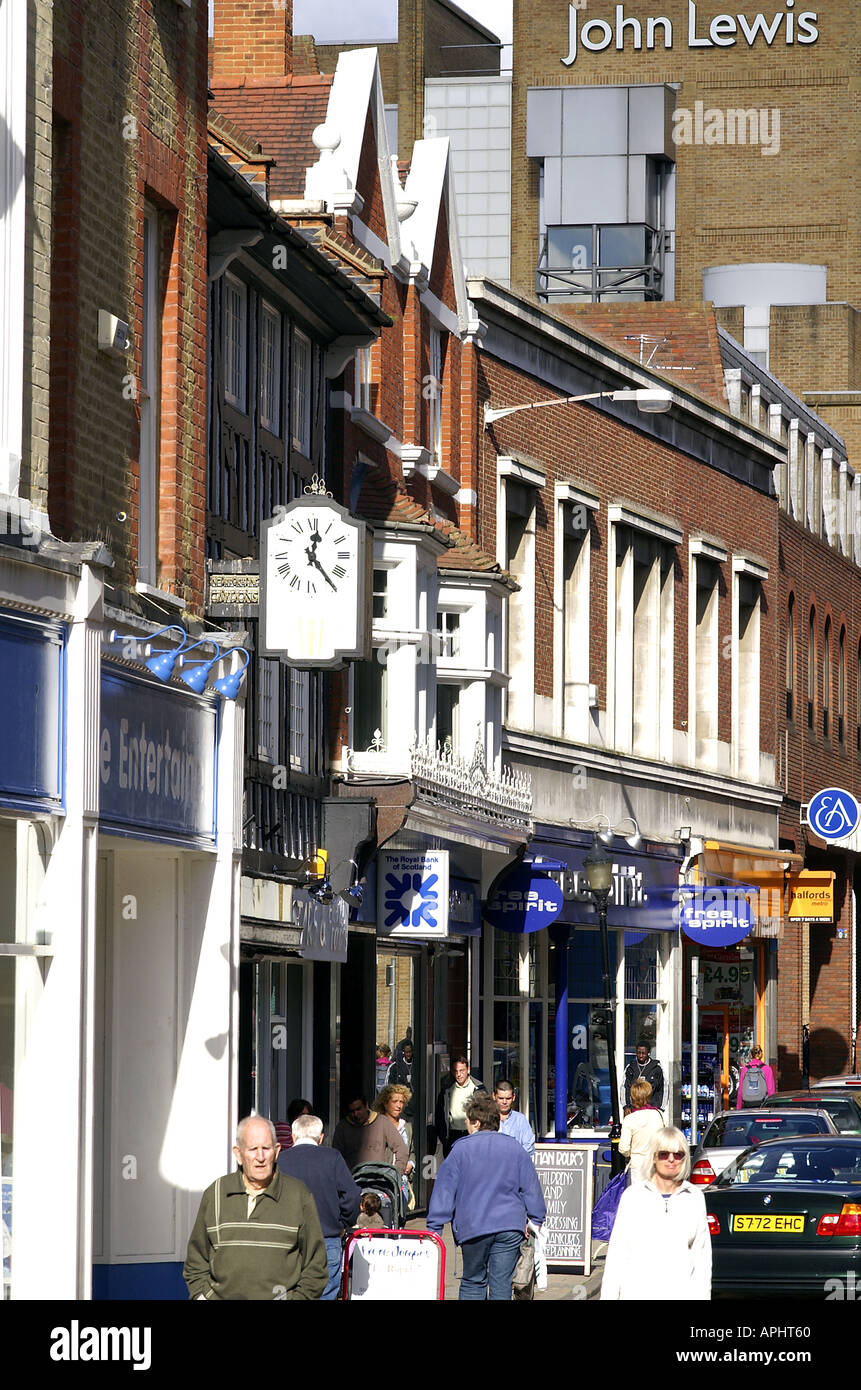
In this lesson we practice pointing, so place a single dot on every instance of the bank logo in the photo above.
(833, 813)
(412, 900)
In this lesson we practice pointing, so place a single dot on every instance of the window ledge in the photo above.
(370, 424)
(415, 458)
(626, 514)
(150, 591)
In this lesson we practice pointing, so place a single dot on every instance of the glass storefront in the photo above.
(733, 983)
(520, 972)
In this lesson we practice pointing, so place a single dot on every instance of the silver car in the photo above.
(733, 1131)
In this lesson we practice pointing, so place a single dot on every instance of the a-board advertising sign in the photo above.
(565, 1174)
(395, 1265)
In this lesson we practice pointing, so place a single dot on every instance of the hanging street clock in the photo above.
(316, 562)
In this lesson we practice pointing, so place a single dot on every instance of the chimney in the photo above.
(252, 39)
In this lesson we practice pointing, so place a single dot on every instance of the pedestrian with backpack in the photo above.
(755, 1082)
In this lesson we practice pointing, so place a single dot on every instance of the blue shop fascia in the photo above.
(518, 1004)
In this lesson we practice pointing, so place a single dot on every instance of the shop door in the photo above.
(402, 1051)
(728, 1011)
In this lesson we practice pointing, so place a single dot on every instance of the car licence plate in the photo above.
(773, 1221)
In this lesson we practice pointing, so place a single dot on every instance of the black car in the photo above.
(843, 1105)
(785, 1218)
(733, 1131)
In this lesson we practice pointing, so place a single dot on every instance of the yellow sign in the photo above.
(811, 896)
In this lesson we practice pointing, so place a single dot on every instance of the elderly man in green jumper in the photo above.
(257, 1234)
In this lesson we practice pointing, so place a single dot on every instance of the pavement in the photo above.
(560, 1285)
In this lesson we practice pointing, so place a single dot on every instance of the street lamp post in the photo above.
(651, 400)
(599, 873)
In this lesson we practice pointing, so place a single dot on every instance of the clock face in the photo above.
(314, 584)
(315, 554)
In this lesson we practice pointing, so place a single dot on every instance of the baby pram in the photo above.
(385, 1180)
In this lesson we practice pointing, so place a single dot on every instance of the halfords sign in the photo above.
(723, 31)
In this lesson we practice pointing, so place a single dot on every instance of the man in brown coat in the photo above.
(364, 1137)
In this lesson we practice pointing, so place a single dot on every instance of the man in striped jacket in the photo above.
(257, 1234)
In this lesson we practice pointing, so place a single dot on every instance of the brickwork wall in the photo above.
(368, 181)
(733, 204)
(817, 577)
(453, 46)
(252, 39)
(620, 463)
(140, 136)
(37, 273)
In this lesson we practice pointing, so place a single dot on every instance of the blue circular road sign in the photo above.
(833, 813)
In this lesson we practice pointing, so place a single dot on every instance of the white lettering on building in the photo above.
(723, 31)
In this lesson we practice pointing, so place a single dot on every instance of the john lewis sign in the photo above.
(629, 32)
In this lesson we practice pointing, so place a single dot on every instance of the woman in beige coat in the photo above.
(638, 1130)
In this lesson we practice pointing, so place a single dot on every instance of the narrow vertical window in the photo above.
(811, 667)
(364, 384)
(706, 683)
(826, 681)
(435, 396)
(300, 717)
(790, 659)
(149, 402)
(301, 395)
(747, 722)
(235, 355)
(841, 687)
(270, 369)
(268, 673)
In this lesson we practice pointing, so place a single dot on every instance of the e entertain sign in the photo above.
(723, 31)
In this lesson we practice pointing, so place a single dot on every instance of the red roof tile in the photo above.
(282, 118)
(384, 499)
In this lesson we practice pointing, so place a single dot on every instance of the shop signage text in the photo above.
(627, 889)
(716, 916)
(524, 901)
(722, 31)
(324, 926)
(156, 759)
(413, 894)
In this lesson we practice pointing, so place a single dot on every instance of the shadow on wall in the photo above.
(829, 1053)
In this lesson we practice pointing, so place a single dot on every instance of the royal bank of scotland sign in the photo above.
(413, 894)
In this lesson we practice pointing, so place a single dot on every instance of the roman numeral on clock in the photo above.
(343, 554)
(338, 571)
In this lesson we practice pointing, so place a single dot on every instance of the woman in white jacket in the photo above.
(638, 1130)
(660, 1247)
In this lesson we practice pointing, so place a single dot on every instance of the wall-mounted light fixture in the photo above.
(632, 840)
(161, 663)
(651, 400)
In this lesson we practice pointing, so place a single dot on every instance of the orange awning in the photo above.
(770, 870)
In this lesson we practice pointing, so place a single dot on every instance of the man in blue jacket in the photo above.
(487, 1188)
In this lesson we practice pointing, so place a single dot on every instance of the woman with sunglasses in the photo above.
(660, 1247)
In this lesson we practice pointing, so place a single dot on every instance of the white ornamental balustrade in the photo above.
(465, 785)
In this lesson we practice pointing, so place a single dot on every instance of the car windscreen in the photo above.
(745, 1130)
(796, 1164)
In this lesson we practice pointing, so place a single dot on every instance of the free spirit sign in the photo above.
(630, 32)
